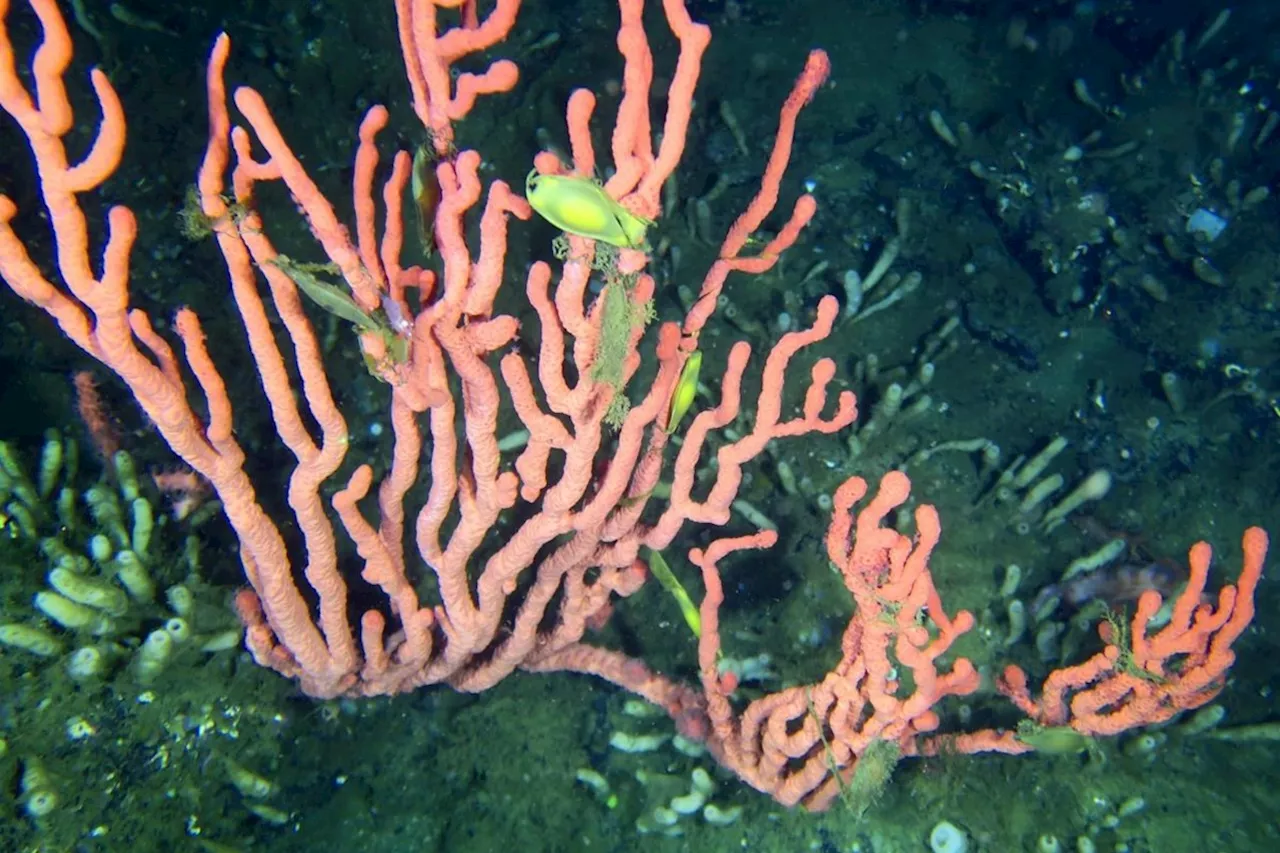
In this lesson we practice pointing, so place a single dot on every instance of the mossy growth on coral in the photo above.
(196, 225)
(620, 315)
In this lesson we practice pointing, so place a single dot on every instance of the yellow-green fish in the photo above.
(686, 389)
(659, 569)
(581, 206)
